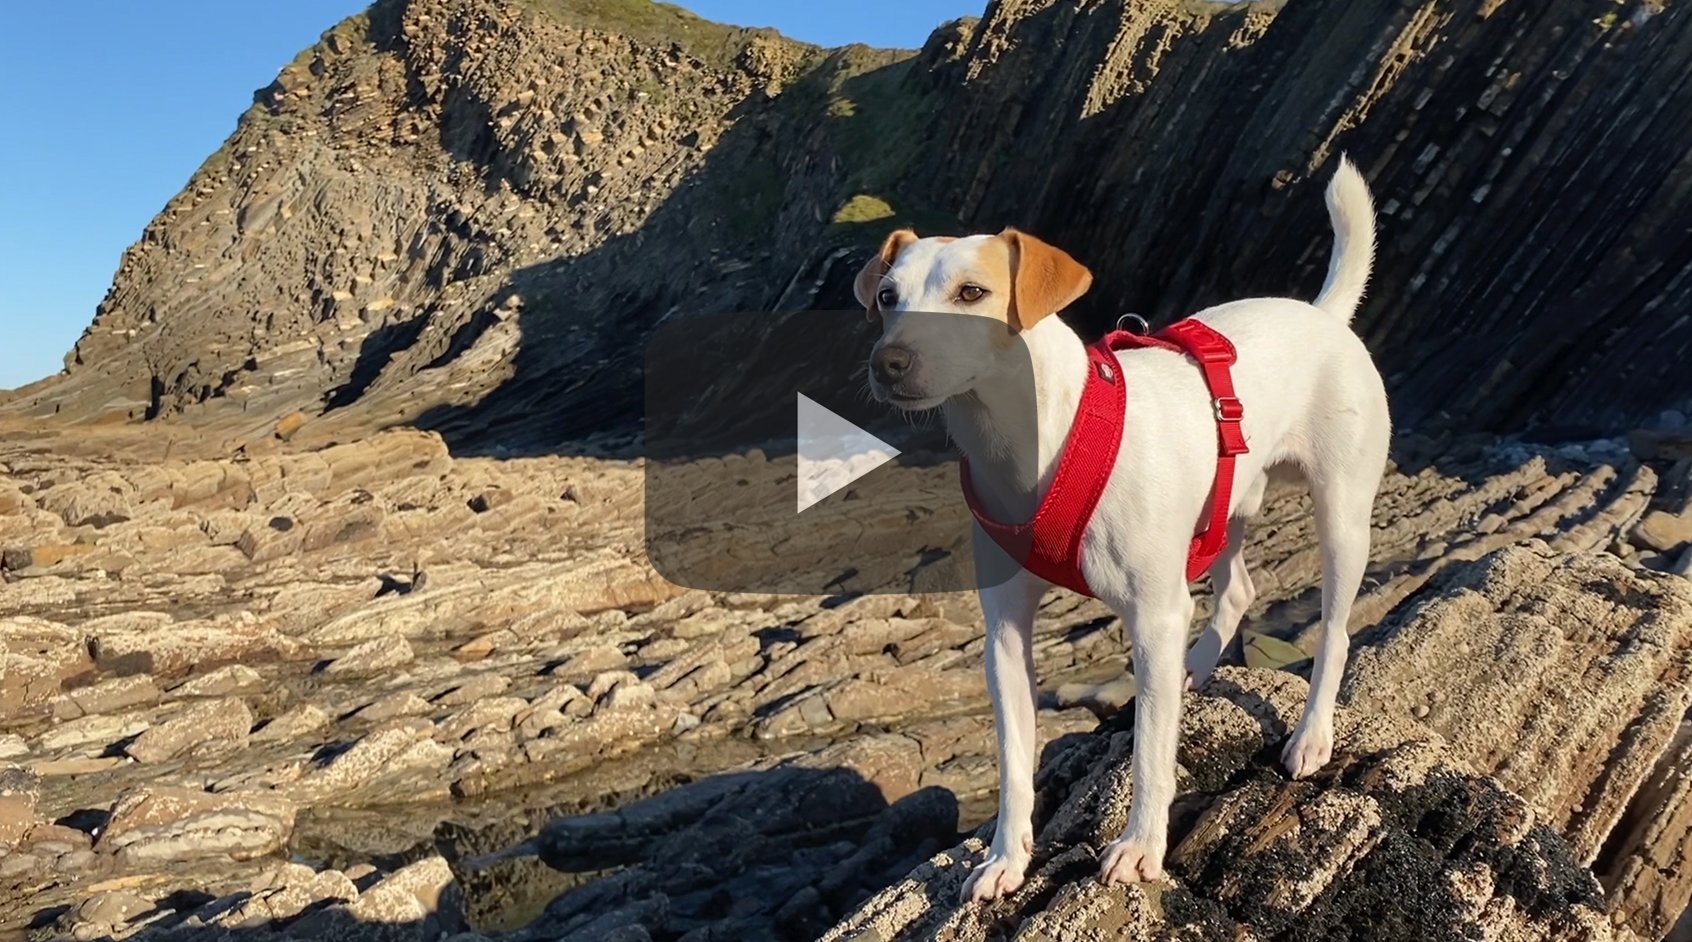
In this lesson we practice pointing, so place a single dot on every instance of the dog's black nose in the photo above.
(891, 363)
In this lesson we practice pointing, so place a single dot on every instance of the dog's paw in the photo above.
(998, 875)
(1308, 750)
(1126, 860)
(1201, 660)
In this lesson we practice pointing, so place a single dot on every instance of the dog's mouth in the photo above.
(904, 401)
(915, 403)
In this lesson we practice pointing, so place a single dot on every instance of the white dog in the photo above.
(1314, 406)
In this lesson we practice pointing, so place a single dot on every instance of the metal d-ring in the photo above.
(1140, 325)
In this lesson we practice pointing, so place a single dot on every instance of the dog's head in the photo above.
(951, 309)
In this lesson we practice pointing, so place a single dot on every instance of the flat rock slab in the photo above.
(160, 826)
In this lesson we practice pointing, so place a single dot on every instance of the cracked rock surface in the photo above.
(421, 668)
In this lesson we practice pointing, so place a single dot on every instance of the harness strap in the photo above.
(1215, 355)
(1049, 544)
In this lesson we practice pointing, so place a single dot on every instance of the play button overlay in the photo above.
(770, 468)
(832, 452)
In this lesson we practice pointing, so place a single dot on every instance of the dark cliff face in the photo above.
(467, 214)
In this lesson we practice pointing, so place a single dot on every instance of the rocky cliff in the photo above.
(465, 214)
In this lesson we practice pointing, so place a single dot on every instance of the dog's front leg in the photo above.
(1009, 609)
(1158, 616)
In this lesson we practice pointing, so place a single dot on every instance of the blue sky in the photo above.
(109, 105)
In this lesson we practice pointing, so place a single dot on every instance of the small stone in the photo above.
(1663, 531)
(13, 866)
(493, 714)
(404, 703)
(110, 909)
(406, 895)
(105, 912)
(482, 685)
(289, 425)
(20, 789)
(630, 696)
(375, 656)
(815, 712)
(99, 729)
(229, 679)
(79, 860)
(302, 720)
(383, 752)
(605, 681)
(483, 646)
(596, 660)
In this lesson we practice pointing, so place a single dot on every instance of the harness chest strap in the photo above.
(1049, 544)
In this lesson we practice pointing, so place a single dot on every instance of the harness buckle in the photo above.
(1211, 352)
(1227, 409)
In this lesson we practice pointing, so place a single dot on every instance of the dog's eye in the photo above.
(969, 294)
(887, 297)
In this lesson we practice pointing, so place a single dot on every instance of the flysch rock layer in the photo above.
(1568, 678)
(1397, 839)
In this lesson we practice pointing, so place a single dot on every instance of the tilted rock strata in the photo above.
(1569, 679)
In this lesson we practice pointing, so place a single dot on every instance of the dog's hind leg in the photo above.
(1231, 583)
(1342, 527)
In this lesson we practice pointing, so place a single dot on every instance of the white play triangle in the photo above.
(833, 452)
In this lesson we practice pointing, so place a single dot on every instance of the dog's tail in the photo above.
(1352, 212)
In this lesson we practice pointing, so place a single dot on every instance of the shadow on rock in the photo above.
(776, 854)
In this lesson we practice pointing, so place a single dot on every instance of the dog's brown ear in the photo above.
(869, 279)
(1045, 279)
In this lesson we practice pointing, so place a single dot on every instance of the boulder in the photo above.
(210, 726)
(36, 657)
(109, 696)
(1396, 839)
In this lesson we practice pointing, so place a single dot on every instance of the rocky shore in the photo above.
(313, 681)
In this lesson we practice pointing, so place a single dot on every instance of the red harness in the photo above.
(1049, 546)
